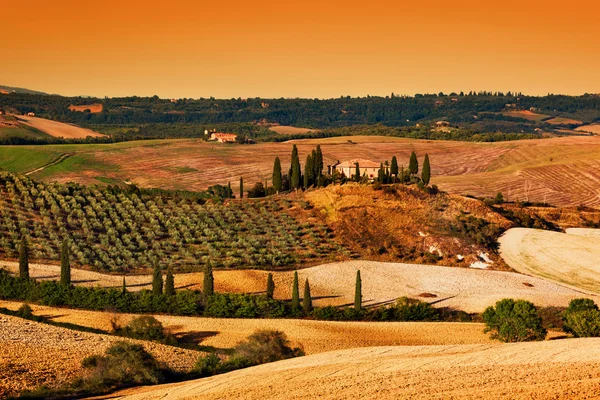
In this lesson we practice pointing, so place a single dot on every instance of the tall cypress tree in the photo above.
(358, 292)
(381, 174)
(413, 164)
(124, 290)
(308, 172)
(208, 285)
(357, 173)
(277, 177)
(270, 286)
(426, 172)
(65, 265)
(295, 169)
(157, 280)
(394, 167)
(24, 259)
(241, 187)
(170, 283)
(318, 161)
(295, 293)
(307, 299)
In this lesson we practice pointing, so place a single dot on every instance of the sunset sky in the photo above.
(304, 48)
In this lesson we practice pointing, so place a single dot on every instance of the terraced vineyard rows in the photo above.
(122, 231)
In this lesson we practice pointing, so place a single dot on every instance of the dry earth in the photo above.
(561, 171)
(470, 290)
(567, 258)
(562, 369)
(291, 130)
(94, 108)
(313, 336)
(563, 121)
(33, 354)
(58, 129)
(593, 128)
(526, 114)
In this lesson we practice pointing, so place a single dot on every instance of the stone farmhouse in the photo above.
(348, 168)
(223, 137)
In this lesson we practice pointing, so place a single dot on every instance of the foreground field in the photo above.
(569, 259)
(58, 129)
(465, 289)
(313, 336)
(562, 369)
(34, 354)
(560, 171)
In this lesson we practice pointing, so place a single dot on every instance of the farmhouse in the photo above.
(30, 114)
(348, 168)
(223, 137)
(442, 124)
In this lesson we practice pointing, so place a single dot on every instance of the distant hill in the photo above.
(10, 89)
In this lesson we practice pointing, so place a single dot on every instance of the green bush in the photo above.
(25, 311)
(582, 318)
(145, 327)
(514, 321)
(414, 310)
(265, 346)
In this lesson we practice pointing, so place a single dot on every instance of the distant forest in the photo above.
(152, 117)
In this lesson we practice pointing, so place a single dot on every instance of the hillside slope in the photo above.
(553, 369)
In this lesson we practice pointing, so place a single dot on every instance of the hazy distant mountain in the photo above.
(10, 89)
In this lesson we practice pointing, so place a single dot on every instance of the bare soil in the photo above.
(94, 108)
(58, 129)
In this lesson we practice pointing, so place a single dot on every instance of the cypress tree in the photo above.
(157, 281)
(394, 167)
(295, 293)
(358, 292)
(318, 162)
(295, 169)
(124, 290)
(65, 265)
(413, 165)
(402, 176)
(24, 259)
(357, 173)
(241, 187)
(426, 172)
(277, 177)
(208, 285)
(229, 191)
(308, 172)
(170, 283)
(307, 299)
(270, 286)
(381, 174)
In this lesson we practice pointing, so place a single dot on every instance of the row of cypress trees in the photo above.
(313, 171)
(65, 264)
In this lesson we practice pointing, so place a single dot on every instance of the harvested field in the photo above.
(94, 108)
(34, 354)
(569, 259)
(314, 336)
(291, 130)
(563, 121)
(526, 114)
(58, 129)
(593, 128)
(469, 290)
(561, 171)
(563, 369)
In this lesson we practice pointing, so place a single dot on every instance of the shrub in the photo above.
(514, 321)
(582, 318)
(207, 365)
(267, 346)
(414, 310)
(25, 311)
(145, 327)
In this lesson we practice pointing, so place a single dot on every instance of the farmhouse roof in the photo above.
(225, 135)
(362, 163)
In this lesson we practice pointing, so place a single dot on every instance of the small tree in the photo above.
(582, 318)
(295, 293)
(277, 177)
(24, 259)
(426, 172)
(170, 283)
(394, 167)
(157, 280)
(307, 299)
(499, 199)
(65, 265)
(241, 187)
(208, 285)
(358, 292)
(357, 173)
(270, 286)
(413, 164)
(514, 321)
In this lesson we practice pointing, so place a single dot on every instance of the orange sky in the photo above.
(303, 48)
